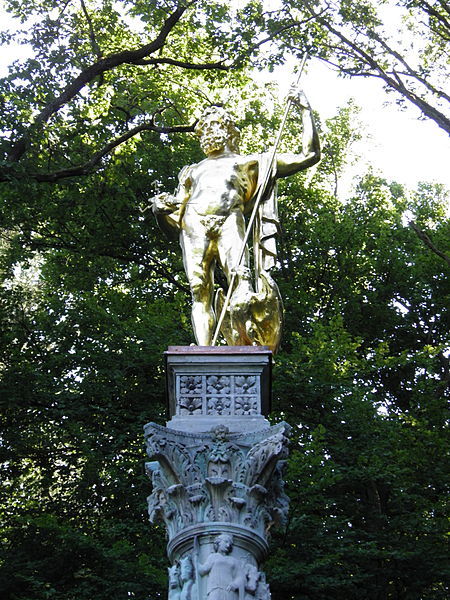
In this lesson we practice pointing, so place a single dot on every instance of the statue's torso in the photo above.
(222, 571)
(220, 185)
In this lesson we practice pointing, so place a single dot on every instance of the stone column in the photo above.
(217, 472)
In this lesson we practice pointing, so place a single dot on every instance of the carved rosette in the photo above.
(218, 477)
(216, 395)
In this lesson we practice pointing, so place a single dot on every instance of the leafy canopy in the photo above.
(93, 124)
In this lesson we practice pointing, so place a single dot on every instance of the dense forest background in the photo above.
(96, 122)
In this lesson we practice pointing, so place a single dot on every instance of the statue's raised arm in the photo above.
(290, 163)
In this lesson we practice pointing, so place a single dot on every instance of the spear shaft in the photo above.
(261, 191)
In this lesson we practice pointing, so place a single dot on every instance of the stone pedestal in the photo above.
(217, 472)
(218, 385)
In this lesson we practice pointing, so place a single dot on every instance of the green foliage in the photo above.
(92, 294)
(365, 376)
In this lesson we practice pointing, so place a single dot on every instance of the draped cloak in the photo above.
(267, 225)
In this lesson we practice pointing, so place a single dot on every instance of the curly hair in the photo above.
(227, 120)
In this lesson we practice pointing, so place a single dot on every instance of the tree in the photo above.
(85, 55)
(92, 294)
(78, 81)
(404, 44)
(365, 377)
(102, 293)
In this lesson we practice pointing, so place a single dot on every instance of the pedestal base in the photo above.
(217, 472)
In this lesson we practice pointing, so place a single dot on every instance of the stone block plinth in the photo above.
(218, 385)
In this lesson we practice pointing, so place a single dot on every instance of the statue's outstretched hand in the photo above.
(164, 203)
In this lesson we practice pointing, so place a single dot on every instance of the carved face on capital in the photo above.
(223, 543)
(217, 131)
(219, 469)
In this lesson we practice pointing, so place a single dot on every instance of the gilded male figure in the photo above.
(209, 209)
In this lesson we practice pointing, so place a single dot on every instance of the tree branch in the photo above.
(185, 65)
(87, 167)
(392, 81)
(432, 12)
(409, 70)
(426, 240)
(94, 44)
(87, 75)
(267, 39)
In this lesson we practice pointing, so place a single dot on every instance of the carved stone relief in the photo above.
(217, 395)
(174, 582)
(217, 474)
(221, 576)
(219, 477)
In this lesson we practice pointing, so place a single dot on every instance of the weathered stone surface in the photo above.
(211, 484)
(217, 384)
(216, 472)
(222, 575)
(231, 478)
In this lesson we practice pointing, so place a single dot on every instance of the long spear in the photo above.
(259, 197)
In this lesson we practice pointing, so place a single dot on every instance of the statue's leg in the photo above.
(239, 326)
(229, 248)
(199, 260)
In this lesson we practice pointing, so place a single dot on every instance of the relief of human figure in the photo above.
(225, 574)
(208, 210)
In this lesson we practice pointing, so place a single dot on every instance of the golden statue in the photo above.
(209, 211)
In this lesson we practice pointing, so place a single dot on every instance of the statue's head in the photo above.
(216, 130)
(252, 576)
(223, 543)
